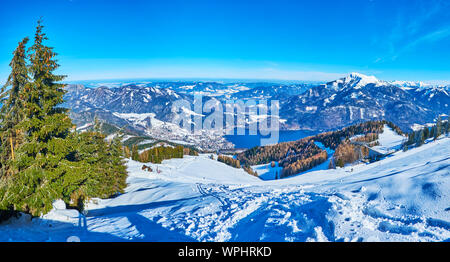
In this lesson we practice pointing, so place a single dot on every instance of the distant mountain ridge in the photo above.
(352, 99)
(357, 98)
(157, 98)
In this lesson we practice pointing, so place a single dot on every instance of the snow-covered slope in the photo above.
(389, 141)
(405, 197)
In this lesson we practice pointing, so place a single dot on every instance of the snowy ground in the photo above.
(405, 197)
(267, 172)
(389, 141)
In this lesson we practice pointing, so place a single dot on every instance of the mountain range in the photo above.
(357, 98)
(317, 107)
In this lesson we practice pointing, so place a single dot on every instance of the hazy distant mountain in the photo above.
(358, 98)
(333, 105)
(272, 91)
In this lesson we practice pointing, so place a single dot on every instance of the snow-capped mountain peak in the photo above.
(356, 75)
(357, 80)
(408, 85)
(354, 81)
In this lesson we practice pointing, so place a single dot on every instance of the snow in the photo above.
(328, 100)
(146, 141)
(134, 116)
(266, 172)
(311, 108)
(110, 137)
(357, 80)
(389, 141)
(157, 129)
(404, 197)
(59, 205)
(85, 126)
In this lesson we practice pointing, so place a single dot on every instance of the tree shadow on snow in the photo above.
(148, 230)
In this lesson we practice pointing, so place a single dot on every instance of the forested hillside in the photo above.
(304, 154)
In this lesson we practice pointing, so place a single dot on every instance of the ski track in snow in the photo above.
(404, 197)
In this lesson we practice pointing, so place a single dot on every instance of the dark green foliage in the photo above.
(418, 137)
(411, 138)
(42, 160)
(107, 170)
(447, 125)
(11, 111)
(51, 161)
(428, 132)
(432, 133)
(438, 128)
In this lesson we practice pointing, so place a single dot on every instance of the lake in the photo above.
(249, 141)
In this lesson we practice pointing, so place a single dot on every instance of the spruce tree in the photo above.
(447, 124)
(427, 133)
(432, 132)
(420, 138)
(51, 160)
(45, 156)
(11, 111)
(118, 164)
(411, 138)
(438, 127)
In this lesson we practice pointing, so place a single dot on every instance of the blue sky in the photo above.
(289, 40)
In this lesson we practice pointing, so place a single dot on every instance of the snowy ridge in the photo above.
(355, 81)
(389, 141)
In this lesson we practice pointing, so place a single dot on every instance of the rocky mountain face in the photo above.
(357, 98)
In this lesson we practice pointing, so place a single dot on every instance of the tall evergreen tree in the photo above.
(427, 132)
(411, 138)
(46, 153)
(11, 111)
(117, 163)
(432, 132)
(447, 129)
(10, 115)
(438, 127)
(52, 161)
